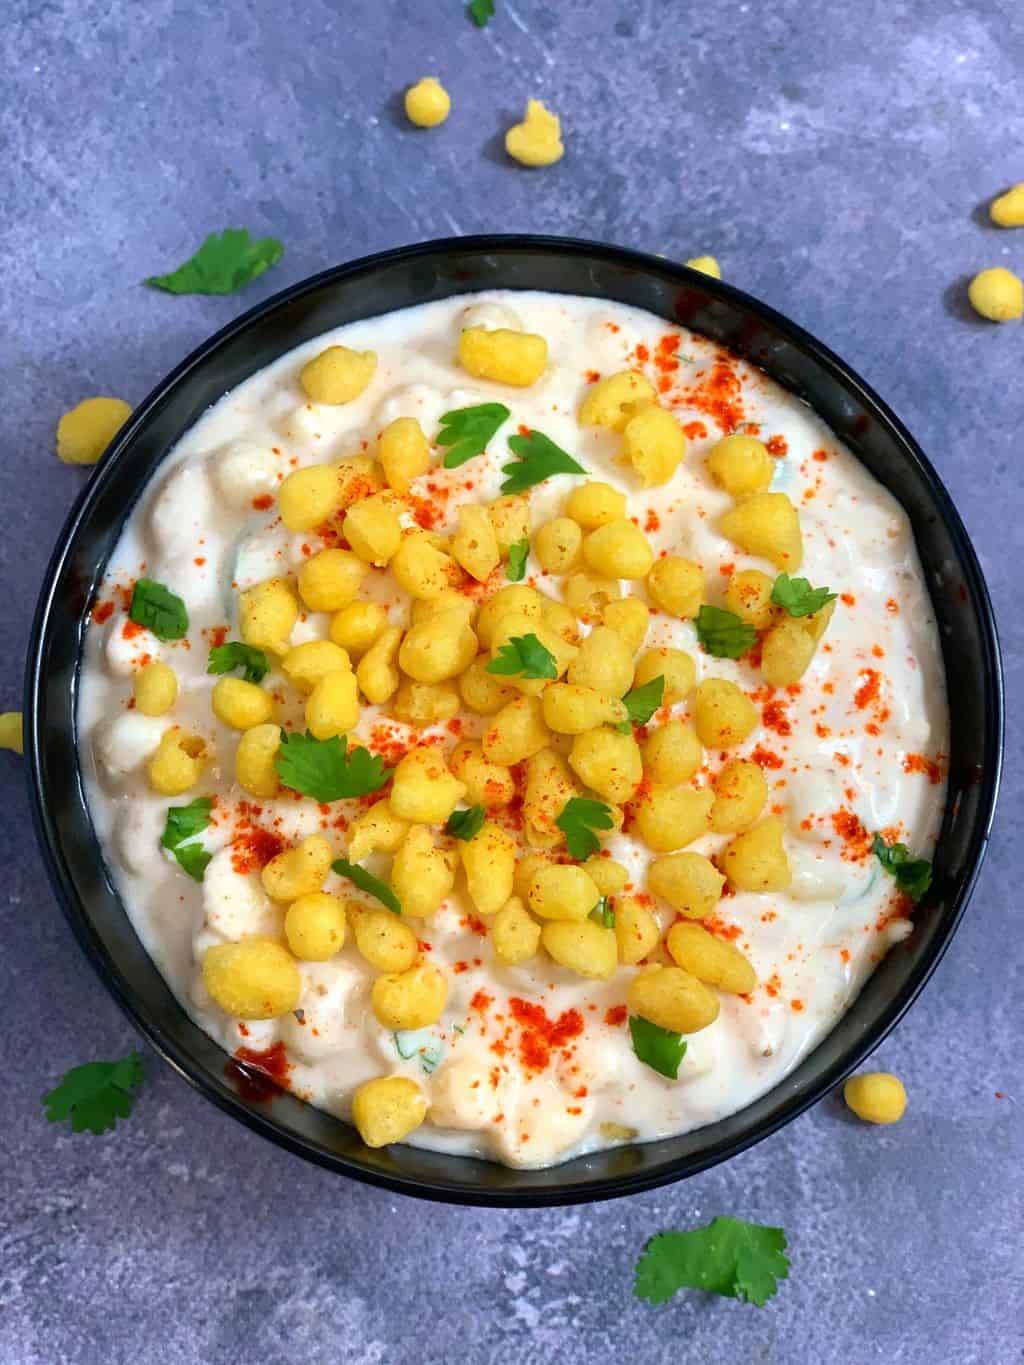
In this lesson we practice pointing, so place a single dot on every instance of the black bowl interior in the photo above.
(434, 271)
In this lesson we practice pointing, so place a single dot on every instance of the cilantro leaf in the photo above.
(96, 1095)
(326, 769)
(603, 914)
(481, 12)
(467, 430)
(193, 859)
(223, 264)
(158, 609)
(518, 554)
(226, 658)
(723, 634)
(526, 655)
(659, 1048)
(579, 818)
(366, 881)
(641, 703)
(184, 823)
(797, 597)
(738, 1259)
(465, 824)
(912, 875)
(538, 459)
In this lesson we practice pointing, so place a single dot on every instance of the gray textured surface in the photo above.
(834, 158)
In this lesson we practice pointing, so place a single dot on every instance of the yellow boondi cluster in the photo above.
(546, 736)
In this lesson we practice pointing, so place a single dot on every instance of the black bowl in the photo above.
(418, 274)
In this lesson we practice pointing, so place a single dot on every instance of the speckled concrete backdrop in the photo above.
(835, 158)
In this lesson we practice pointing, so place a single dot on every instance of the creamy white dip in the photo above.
(858, 746)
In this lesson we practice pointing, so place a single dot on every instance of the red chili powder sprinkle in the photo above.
(481, 1002)
(820, 455)
(218, 635)
(459, 967)
(476, 925)
(853, 834)
(695, 431)
(868, 691)
(592, 376)
(615, 1016)
(263, 503)
(848, 599)
(254, 848)
(102, 612)
(777, 446)
(643, 354)
(844, 953)
(892, 606)
(765, 758)
(541, 1035)
(199, 560)
(796, 1006)
(131, 629)
(720, 396)
(773, 714)
(722, 928)
(917, 763)
(653, 521)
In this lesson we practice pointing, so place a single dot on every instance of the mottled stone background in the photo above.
(837, 159)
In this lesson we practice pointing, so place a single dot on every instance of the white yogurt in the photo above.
(859, 745)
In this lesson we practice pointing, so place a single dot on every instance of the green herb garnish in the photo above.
(226, 658)
(731, 1257)
(659, 1048)
(911, 875)
(366, 881)
(603, 914)
(524, 655)
(579, 818)
(183, 823)
(481, 12)
(641, 703)
(797, 597)
(723, 634)
(466, 431)
(154, 606)
(94, 1096)
(538, 459)
(223, 264)
(518, 554)
(326, 769)
(465, 824)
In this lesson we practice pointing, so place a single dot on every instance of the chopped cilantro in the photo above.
(524, 655)
(465, 824)
(326, 769)
(797, 597)
(466, 431)
(538, 458)
(223, 264)
(518, 554)
(226, 658)
(911, 875)
(94, 1096)
(579, 818)
(154, 606)
(641, 703)
(659, 1048)
(723, 634)
(182, 825)
(366, 881)
(481, 12)
(731, 1257)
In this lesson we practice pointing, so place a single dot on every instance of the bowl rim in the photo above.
(455, 1191)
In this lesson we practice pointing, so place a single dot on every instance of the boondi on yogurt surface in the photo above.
(504, 695)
